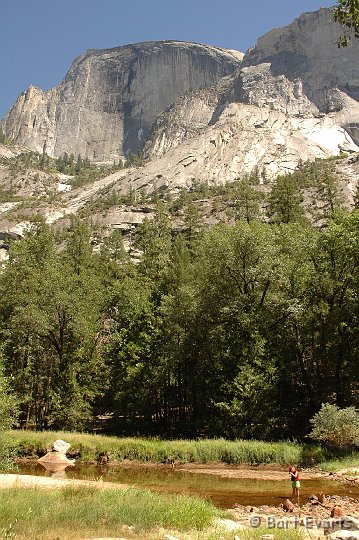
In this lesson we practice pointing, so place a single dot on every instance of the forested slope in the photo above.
(235, 330)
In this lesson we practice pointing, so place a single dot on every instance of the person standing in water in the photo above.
(294, 476)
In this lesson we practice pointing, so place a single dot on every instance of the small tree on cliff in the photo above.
(347, 13)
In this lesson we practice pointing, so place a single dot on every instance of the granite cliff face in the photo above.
(202, 112)
(307, 50)
(109, 99)
(294, 96)
(305, 55)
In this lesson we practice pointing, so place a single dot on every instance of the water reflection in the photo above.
(223, 492)
(56, 470)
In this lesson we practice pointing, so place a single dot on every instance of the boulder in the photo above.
(54, 457)
(60, 446)
(344, 535)
(229, 525)
(288, 506)
(337, 511)
(322, 498)
(57, 454)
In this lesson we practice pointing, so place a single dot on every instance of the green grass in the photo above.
(74, 512)
(335, 465)
(87, 447)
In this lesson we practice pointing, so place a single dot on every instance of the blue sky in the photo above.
(39, 39)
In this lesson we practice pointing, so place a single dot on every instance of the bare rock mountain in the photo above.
(202, 112)
(294, 96)
(109, 99)
(306, 54)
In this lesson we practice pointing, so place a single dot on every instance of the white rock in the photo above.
(229, 525)
(344, 535)
(60, 446)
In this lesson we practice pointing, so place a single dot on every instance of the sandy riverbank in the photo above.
(245, 516)
(29, 481)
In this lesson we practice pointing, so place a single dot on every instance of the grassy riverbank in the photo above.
(85, 513)
(342, 464)
(86, 447)
(79, 513)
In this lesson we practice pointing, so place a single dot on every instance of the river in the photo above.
(221, 491)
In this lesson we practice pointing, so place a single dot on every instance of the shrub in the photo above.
(337, 427)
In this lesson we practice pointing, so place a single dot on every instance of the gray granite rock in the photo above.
(109, 99)
(199, 111)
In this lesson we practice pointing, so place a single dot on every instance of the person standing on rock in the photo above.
(294, 476)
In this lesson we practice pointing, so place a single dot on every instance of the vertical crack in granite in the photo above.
(109, 99)
(201, 111)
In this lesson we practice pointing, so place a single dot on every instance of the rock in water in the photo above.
(57, 454)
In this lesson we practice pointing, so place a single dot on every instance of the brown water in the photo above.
(222, 492)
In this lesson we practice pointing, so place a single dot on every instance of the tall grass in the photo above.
(87, 447)
(29, 513)
(78, 513)
(344, 463)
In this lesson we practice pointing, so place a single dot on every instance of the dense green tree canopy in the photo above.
(235, 330)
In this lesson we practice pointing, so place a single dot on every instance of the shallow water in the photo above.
(222, 492)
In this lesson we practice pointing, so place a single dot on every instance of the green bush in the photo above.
(337, 427)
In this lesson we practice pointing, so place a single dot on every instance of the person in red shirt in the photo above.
(294, 476)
